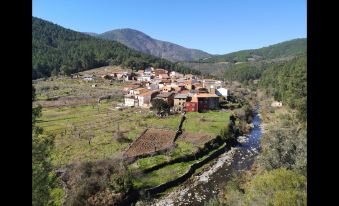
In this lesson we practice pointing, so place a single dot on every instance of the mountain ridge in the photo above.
(144, 43)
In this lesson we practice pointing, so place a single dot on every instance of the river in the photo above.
(200, 188)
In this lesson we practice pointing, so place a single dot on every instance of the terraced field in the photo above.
(151, 141)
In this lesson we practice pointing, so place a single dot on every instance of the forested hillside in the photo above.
(245, 72)
(56, 50)
(282, 50)
(287, 82)
(146, 44)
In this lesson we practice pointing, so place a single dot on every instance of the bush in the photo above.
(277, 187)
(160, 106)
(57, 195)
(120, 182)
(88, 180)
(284, 147)
(213, 202)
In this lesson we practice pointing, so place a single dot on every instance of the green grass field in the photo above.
(66, 123)
(183, 148)
(73, 126)
(164, 174)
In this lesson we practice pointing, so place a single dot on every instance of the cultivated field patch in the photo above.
(196, 138)
(151, 141)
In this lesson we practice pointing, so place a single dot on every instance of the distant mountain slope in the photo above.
(144, 43)
(285, 49)
(91, 33)
(58, 50)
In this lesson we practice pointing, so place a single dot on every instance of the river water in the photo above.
(200, 188)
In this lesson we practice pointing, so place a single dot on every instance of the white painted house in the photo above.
(222, 92)
(145, 78)
(130, 101)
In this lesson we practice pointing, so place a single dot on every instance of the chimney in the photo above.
(212, 89)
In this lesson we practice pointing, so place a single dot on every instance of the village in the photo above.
(182, 92)
(107, 113)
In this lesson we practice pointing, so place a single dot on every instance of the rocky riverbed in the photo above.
(207, 184)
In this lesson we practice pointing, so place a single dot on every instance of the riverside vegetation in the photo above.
(279, 174)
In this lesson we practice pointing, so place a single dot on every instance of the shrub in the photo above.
(88, 180)
(213, 202)
(277, 187)
(120, 182)
(284, 147)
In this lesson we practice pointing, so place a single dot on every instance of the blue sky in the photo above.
(215, 26)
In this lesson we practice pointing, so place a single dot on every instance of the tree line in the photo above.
(244, 71)
(56, 50)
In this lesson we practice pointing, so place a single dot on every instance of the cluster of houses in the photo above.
(181, 92)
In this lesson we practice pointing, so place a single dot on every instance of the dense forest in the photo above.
(287, 82)
(245, 71)
(56, 50)
(282, 50)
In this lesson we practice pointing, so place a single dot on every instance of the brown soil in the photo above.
(151, 141)
(67, 102)
(196, 138)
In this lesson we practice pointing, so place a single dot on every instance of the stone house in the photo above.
(179, 101)
(167, 97)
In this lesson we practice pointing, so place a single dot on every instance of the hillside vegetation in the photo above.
(287, 82)
(245, 65)
(279, 174)
(146, 44)
(56, 50)
(284, 49)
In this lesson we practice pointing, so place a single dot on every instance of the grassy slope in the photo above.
(66, 122)
(102, 121)
(165, 174)
(68, 147)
